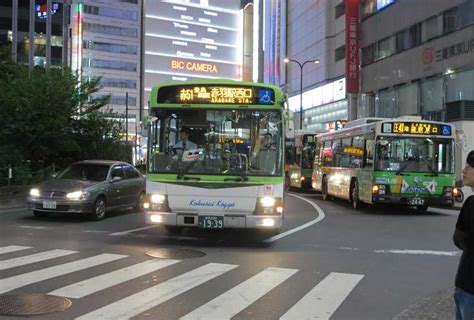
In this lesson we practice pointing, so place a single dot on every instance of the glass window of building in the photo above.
(340, 53)
(385, 48)
(450, 20)
(401, 41)
(407, 99)
(414, 35)
(432, 30)
(340, 9)
(459, 86)
(385, 105)
(432, 95)
(368, 54)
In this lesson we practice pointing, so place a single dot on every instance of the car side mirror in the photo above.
(115, 179)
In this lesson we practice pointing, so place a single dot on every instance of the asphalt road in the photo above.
(329, 262)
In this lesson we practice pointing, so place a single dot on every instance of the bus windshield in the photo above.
(216, 142)
(409, 154)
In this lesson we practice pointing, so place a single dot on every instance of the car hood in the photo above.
(66, 185)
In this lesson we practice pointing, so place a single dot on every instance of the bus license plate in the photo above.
(417, 201)
(49, 204)
(211, 222)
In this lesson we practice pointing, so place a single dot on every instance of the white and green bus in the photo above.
(299, 161)
(233, 174)
(406, 161)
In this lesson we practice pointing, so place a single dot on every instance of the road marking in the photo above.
(154, 296)
(324, 299)
(22, 280)
(89, 286)
(9, 249)
(306, 225)
(35, 227)
(429, 252)
(32, 258)
(122, 233)
(240, 297)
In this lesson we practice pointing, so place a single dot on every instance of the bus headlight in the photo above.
(157, 198)
(267, 202)
(34, 192)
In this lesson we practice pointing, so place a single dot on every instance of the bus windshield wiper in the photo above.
(186, 169)
(402, 168)
(430, 167)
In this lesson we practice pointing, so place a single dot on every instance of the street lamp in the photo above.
(301, 65)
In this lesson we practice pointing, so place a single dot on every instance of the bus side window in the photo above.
(369, 153)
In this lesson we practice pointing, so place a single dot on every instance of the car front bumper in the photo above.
(60, 205)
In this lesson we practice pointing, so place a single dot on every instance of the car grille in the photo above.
(53, 194)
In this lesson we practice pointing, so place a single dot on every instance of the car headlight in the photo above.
(34, 192)
(77, 195)
(157, 198)
(267, 201)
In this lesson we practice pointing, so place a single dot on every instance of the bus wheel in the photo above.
(324, 188)
(173, 229)
(356, 204)
(422, 208)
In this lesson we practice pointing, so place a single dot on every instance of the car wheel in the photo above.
(174, 229)
(39, 214)
(99, 209)
(139, 205)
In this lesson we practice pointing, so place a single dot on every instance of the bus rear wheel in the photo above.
(356, 203)
(324, 188)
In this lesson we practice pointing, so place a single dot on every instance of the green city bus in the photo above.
(405, 161)
(233, 177)
(300, 151)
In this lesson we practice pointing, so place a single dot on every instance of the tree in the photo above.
(49, 116)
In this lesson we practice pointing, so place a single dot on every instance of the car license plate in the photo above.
(417, 201)
(49, 204)
(211, 222)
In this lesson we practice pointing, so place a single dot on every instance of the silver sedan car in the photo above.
(92, 187)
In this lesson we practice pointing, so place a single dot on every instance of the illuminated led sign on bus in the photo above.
(420, 128)
(213, 94)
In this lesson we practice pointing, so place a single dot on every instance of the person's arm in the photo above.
(463, 235)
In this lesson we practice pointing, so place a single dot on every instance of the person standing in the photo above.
(464, 240)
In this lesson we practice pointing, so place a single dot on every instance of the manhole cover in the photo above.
(31, 304)
(175, 253)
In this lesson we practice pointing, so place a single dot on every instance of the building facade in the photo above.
(308, 31)
(22, 20)
(190, 40)
(421, 65)
(106, 42)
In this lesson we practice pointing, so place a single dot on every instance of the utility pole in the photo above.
(126, 117)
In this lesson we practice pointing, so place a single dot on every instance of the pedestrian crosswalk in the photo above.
(320, 302)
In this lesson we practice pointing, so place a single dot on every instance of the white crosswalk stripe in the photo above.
(324, 299)
(321, 302)
(237, 299)
(25, 279)
(37, 257)
(86, 287)
(9, 249)
(154, 296)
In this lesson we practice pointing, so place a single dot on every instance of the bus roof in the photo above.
(255, 101)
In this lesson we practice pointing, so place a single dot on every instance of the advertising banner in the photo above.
(352, 46)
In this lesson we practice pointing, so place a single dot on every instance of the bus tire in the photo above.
(422, 208)
(173, 229)
(324, 188)
(356, 203)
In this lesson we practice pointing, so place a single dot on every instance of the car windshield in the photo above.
(91, 172)
(428, 155)
(221, 142)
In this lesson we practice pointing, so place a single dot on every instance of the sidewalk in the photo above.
(439, 305)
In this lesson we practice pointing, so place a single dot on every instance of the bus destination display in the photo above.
(419, 128)
(213, 94)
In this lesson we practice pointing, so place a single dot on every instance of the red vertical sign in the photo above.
(352, 46)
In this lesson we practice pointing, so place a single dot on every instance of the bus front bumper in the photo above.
(239, 221)
(414, 200)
